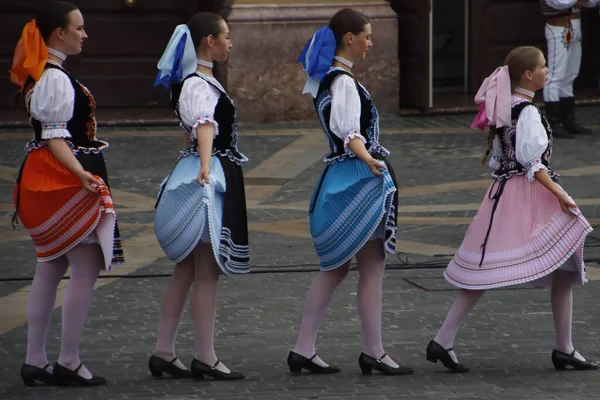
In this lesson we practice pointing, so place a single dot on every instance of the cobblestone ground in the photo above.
(507, 341)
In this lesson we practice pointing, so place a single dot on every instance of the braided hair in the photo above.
(490, 143)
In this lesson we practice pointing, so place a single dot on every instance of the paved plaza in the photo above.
(507, 342)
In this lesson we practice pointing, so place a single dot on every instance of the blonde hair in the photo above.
(519, 61)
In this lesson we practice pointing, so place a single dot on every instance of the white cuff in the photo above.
(53, 130)
(532, 167)
(351, 134)
(202, 119)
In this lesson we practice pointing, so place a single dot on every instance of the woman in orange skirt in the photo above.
(61, 195)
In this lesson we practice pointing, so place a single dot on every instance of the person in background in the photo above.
(563, 37)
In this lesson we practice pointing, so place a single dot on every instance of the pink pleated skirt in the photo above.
(530, 237)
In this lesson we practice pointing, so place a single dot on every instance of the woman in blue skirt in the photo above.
(200, 220)
(353, 208)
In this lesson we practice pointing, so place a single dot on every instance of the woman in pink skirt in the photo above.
(527, 229)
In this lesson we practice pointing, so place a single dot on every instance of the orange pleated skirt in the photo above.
(59, 213)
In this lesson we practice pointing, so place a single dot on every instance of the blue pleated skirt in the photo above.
(348, 207)
(187, 213)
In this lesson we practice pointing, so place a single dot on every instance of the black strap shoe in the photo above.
(67, 377)
(30, 374)
(158, 366)
(436, 352)
(562, 360)
(296, 362)
(199, 369)
(368, 364)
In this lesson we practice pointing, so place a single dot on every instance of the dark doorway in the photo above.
(449, 50)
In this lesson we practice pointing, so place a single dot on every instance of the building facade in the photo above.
(421, 48)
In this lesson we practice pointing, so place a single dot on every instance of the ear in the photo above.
(60, 33)
(349, 38)
(210, 41)
(529, 75)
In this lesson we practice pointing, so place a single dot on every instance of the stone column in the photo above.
(263, 77)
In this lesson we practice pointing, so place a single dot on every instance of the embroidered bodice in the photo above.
(61, 107)
(346, 111)
(203, 100)
(525, 147)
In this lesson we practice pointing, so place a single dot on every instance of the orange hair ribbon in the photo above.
(30, 55)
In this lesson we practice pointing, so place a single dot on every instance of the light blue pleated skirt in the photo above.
(188, 213)
(350, 206)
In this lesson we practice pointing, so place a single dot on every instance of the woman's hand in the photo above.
(88, 181)
(566, 203)
(375, 166)
(203, 175)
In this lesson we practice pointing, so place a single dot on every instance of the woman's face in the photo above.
(221, 44)
(361, 43)
(73, 36)
(539, 74)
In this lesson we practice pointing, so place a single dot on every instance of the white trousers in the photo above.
(563, 60)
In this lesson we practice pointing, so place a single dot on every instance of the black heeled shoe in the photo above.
(199, 369)
(296, 362)
(158, 366)
(562, 360)
(368, 364)
(30, 374)
(436, 352)
(67, 377)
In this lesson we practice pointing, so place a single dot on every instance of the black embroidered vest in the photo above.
(225, 143)
(82, 126)
(369, 119)
(509, 165)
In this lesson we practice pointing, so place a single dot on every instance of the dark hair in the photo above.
(201, 25)
(347, 20)
(519, 60)
(53, 15)
(204, 24)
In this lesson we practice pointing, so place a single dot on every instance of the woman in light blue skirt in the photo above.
(200, 221)
(353, 208)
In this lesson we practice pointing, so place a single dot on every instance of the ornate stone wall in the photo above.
(263, 77)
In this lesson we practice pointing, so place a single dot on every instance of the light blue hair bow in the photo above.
(316, 58)
(179, 58)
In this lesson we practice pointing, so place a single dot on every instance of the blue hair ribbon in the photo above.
(317, 58)
(178, 59)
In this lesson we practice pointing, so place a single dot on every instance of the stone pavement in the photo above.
(507, 341)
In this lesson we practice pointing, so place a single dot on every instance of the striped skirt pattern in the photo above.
(347, 206)
(59, 213)
(530, 237)
(187, 213)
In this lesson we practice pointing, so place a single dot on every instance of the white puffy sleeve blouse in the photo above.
(344, 120)
(51, 101)
(531, 141)
(197, 103)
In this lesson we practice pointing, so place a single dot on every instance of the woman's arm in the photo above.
(566, 202)
(52, 103)
(62, 152)
(344, 120)
(531, 143)
(205, 134)
(359, 149)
